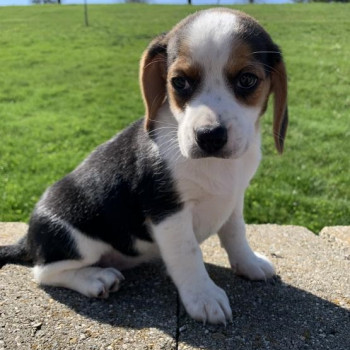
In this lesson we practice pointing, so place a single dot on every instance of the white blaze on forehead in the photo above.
(211, 36)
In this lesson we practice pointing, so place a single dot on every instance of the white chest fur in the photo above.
(213, 188)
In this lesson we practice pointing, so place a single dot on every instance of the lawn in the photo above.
(65, 88)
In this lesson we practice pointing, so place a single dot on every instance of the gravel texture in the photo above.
(142, 315)
(339, 234)
(307, 306)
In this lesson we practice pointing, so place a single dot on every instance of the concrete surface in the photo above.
(307, 306)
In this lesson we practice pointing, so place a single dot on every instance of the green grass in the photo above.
(65, 88)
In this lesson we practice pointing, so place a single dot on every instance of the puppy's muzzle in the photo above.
(211, 139)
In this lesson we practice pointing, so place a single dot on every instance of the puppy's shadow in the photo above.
(147, 298)
(266, 315)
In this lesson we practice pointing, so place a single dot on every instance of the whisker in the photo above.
(172, 141)
(272, 69)
(179, 156)
(169, 142)
(158, 60)
(176, 154)
(171, 148)
(278, 52)
(164, 141)
(170, 135)
(171, 128)
(155, 102)
(162, 122)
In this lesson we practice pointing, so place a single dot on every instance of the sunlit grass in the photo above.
(65, 88)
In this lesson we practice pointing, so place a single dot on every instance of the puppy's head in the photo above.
(216, 69)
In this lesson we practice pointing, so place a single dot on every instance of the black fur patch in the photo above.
(108, 197)
(49, 242)
(15, 254)
(264, 49)
(158, 46)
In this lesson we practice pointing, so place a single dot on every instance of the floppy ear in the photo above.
(280, 119)
(153, 70)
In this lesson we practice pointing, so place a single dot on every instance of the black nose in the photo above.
(211, 138)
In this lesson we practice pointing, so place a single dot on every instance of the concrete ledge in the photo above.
(11, 232)
(307, 306)
(340, 234)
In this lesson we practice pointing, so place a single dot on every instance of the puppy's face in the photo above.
(217, 69)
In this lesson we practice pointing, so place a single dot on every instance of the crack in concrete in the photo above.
(177, 333)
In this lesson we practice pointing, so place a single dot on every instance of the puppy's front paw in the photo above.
(207, 303)
(254, 267)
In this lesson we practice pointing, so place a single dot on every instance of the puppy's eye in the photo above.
(180, 84)
(247, 81)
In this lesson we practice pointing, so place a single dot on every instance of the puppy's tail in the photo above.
(15, 254)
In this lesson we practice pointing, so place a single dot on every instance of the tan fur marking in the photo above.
(183, 66)
(242, 60)
(152, 82)
(280, 120)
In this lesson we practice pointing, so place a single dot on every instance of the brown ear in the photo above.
(153, 78)
(280, 119)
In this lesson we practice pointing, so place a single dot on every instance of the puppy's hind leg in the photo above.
(88, 280)
(73, 271)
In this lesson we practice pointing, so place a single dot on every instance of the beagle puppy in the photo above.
(170, 180)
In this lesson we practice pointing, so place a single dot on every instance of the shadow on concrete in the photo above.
(266, 315)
